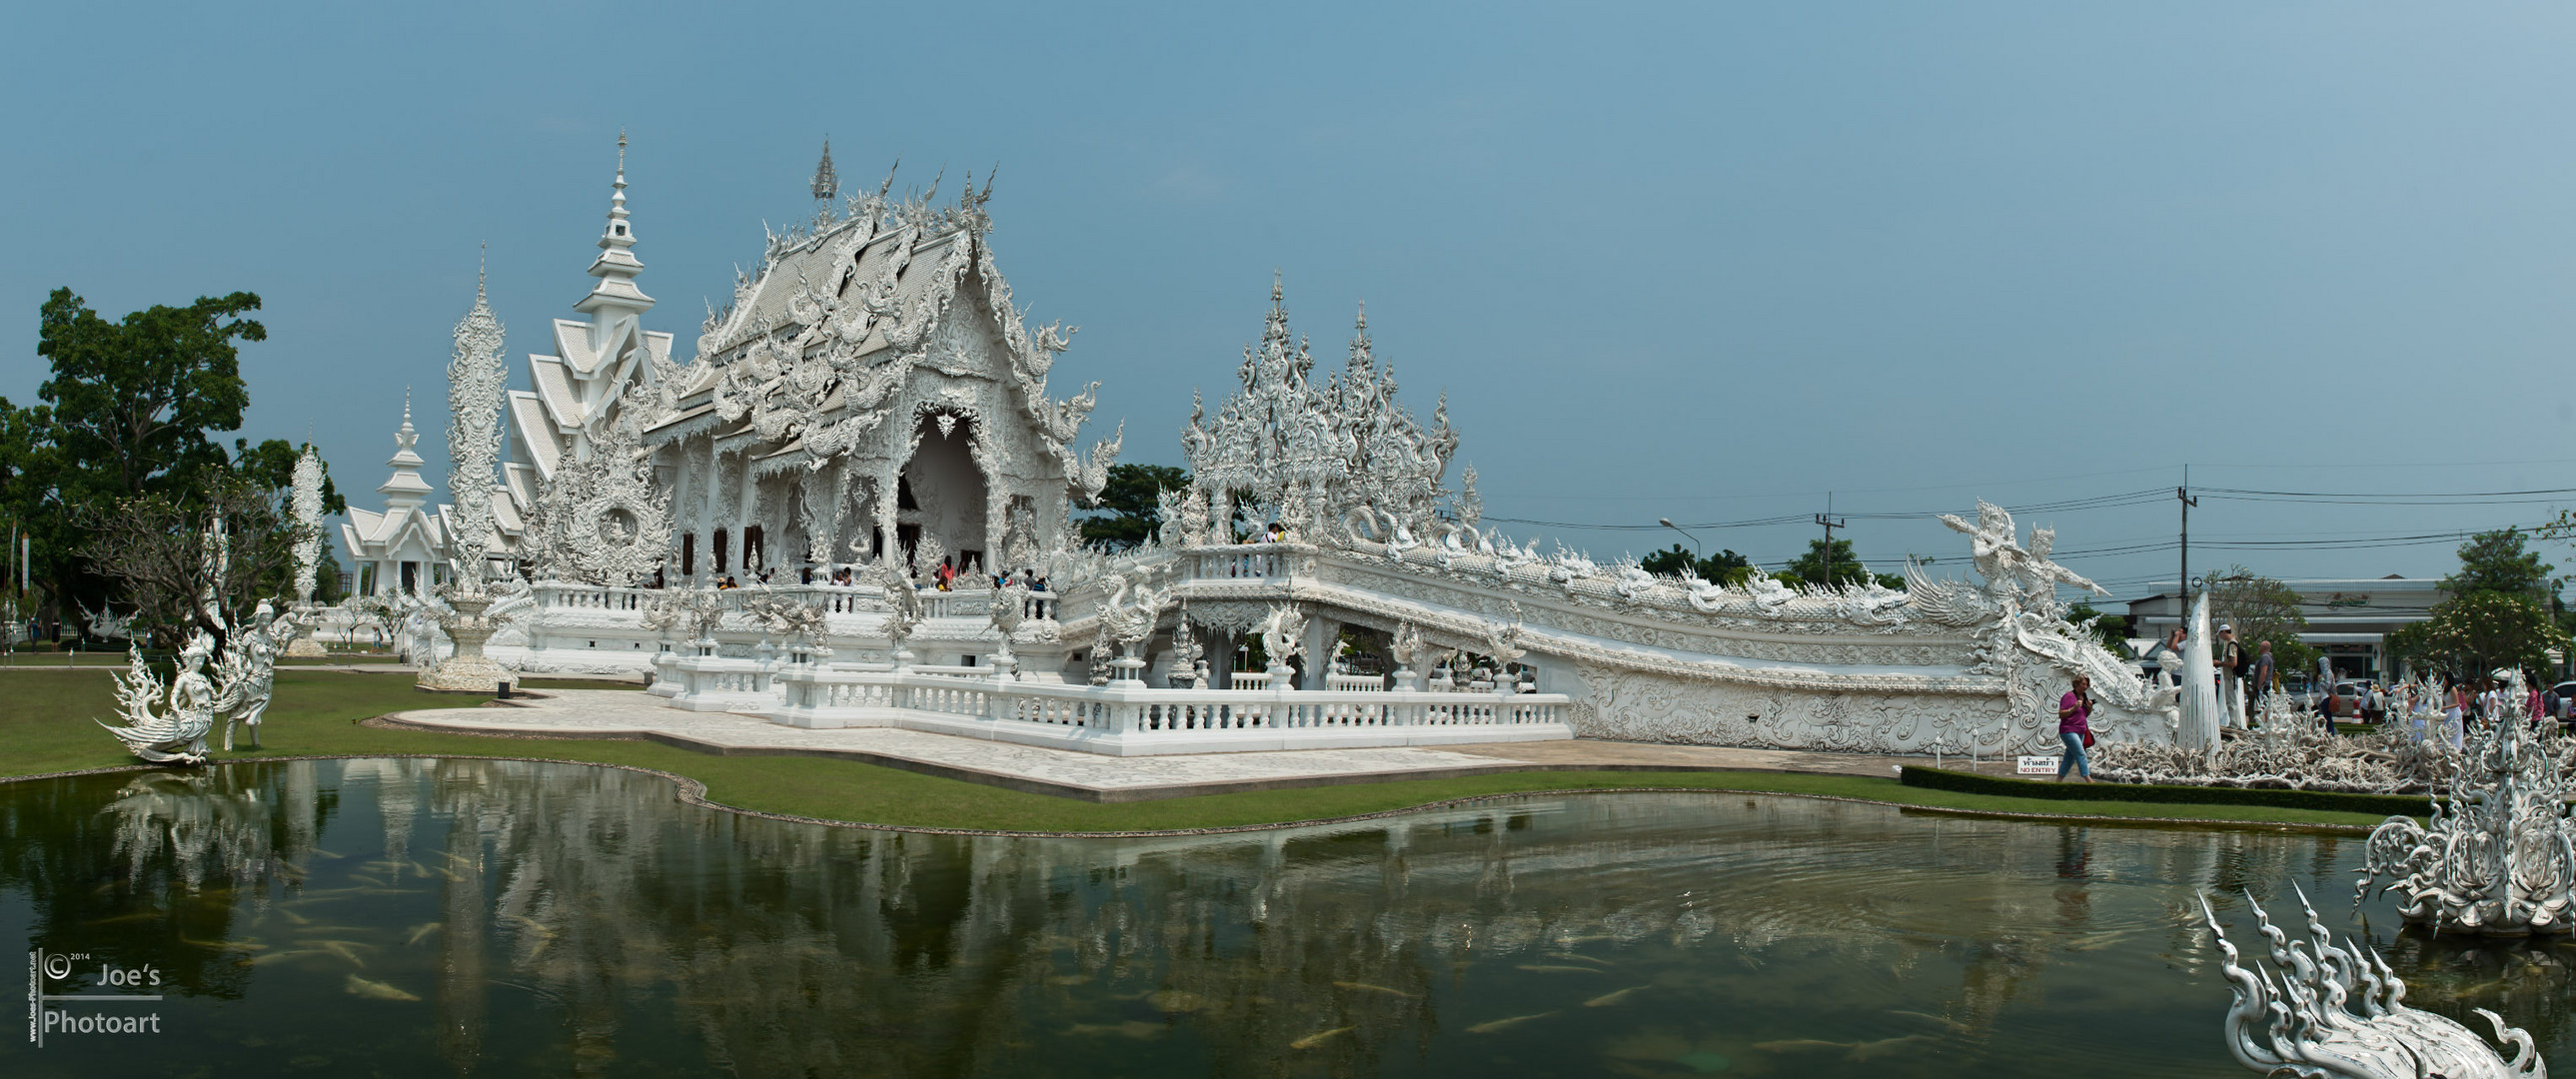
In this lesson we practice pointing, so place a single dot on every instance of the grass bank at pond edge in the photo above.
(45, 727)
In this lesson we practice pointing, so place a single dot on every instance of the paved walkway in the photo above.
(582, 713)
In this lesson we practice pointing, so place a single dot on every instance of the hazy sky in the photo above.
(1700, 261)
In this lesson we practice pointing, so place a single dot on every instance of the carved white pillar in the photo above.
(708, 520)
(1320, 635)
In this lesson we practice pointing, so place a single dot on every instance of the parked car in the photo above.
(2566, 692)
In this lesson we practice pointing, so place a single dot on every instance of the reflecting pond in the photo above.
(426, 917)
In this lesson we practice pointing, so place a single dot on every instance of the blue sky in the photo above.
(1706, 262)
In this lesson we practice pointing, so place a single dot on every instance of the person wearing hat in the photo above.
(2231, 676)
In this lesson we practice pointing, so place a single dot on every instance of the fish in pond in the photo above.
(1888, 1047)
(1607, 999)
(1506, 1024)
(275, 956)
(244, 944)
(345, 949)
(1129, 1029)
(1175, 1000)
(1543, 968)
(1320, 1037)
(424, 929)
(373, 990)
(1955, 1026)
(1364, 987)
(1068, 979)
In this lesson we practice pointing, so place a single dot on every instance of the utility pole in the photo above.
(1831, 523)
(2183, 494)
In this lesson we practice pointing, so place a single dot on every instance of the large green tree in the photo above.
(131, 411)
(2261, 609)
(1130, 504)
(2503, 611)
(2500, 561)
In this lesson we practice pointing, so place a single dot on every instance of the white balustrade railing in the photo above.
(1250, 561)
(832, 598)
(1247, 680)
(1138, 715)
(1356, 683)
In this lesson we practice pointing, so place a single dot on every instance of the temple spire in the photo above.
(616, 266)
(827, 184)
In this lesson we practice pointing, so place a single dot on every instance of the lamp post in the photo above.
(1695, 547)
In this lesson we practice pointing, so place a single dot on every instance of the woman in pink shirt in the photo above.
(2074, 729)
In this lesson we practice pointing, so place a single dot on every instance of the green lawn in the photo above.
(45, 726)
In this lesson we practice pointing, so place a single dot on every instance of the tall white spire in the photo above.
(616, 265)
(404, 489)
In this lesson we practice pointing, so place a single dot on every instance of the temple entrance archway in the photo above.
(949, 491)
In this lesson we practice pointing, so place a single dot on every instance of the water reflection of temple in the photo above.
(587, 904)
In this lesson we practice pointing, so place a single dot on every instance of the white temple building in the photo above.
(870, 408)
(404, 549)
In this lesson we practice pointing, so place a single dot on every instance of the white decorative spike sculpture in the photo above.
(2338, 1012)
(475, 379)
(2200, 708)
(305, 501)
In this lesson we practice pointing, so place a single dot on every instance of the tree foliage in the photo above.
(2479, 632)
(2111, 629)
(130, 413)
(2261, 609)
(2502, 612)
(1724, 567)
(1845, 567)
(201, 563)
(1130, 504)
(2499, 561)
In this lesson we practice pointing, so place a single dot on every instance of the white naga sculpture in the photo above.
(1131, 612)
(2329, 1011)
(171, 730)
(2500, 856)
(1283, 637)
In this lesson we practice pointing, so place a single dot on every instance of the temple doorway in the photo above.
(949, 491)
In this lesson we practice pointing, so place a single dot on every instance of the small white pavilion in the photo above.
(403, 549)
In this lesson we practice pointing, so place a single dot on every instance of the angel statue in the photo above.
(1009, 609)
(247, 677)
(177, 734)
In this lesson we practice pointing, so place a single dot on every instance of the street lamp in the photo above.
(1695, 548)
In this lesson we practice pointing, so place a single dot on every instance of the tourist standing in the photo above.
(2075, 729)
(2231, 676)
(2332, 704)
(2264, 672)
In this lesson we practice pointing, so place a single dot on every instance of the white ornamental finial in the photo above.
(827, 183)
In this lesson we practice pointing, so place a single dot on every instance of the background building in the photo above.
(2348, 619)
